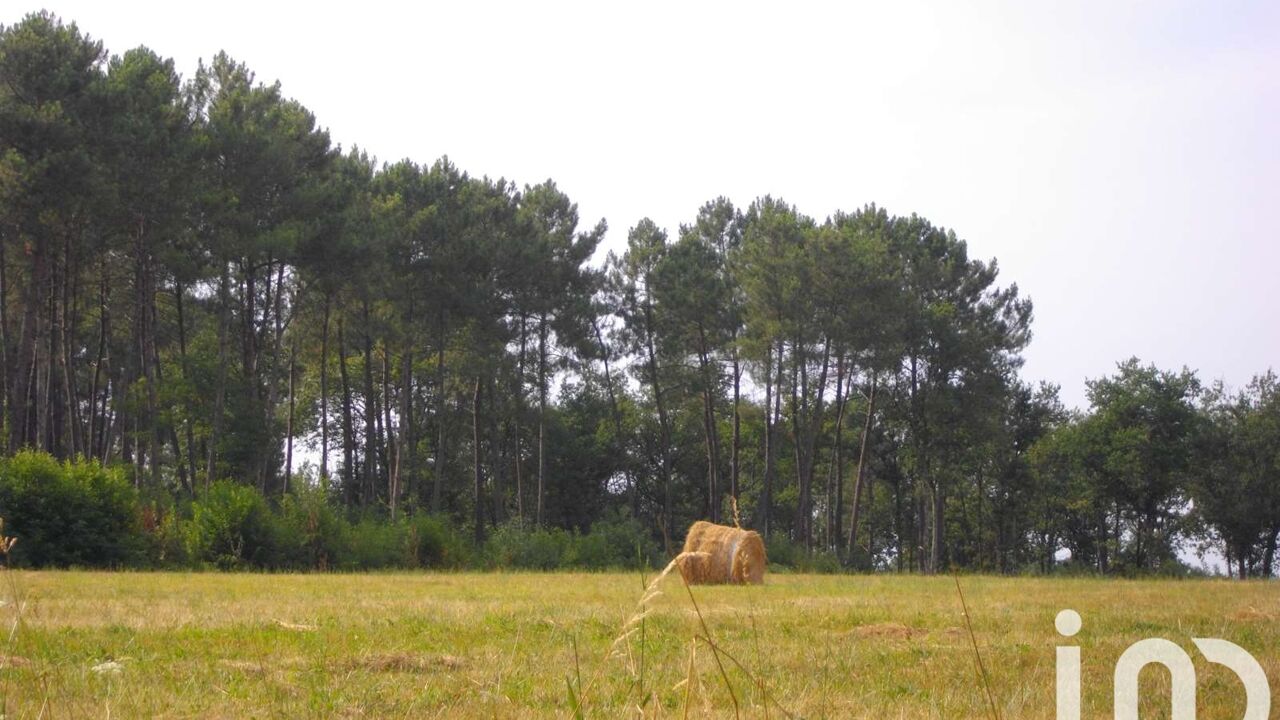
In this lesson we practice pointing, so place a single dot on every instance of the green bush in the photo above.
(82, 514)
(433, 543)
(69, 514)
(785, 553)
(232, 527)
(782, 551)
(590, 552)
(628, 544)
(612, 543)
(163, 532)
(311, 534)
(819, 561)
(513, 546)
(376, 544)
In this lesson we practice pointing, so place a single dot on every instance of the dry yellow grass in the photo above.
(503, 645)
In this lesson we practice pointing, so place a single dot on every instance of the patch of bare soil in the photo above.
(404, 662)
(887, 631)
(1252, 614)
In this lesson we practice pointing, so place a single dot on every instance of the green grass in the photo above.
(533, 645)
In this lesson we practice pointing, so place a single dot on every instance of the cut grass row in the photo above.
(534, 645)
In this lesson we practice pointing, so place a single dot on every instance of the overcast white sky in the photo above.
(1121, 160)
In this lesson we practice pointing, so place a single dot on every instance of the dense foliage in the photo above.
(197, 290)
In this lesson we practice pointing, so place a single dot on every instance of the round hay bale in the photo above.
(721, 554)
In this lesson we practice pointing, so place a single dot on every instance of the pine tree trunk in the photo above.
(518, 394)
(939, 528)
(860, 479)
(542, 419)
(22, 402)
(96, 449)
(438, 472)
(406, 479)
(709, 429)
(349, 489)
(898, 529)
(387, 441)
(815, 426)
(324, 394)
(1268, 560)
(408, 441)
(179, 292)
(220, 398)
(478, 495)
(497, 480)
(288, 453)
(41, 355)
(773, 416)
(5, 379)
(110, 421)
(275, 305)
(871, 528)
(767, 501)
(370, 414)
(663, 424)
(798, 376)
(152, 350)
(168, 428)
(53, 397)
(393, 448)
(248, 323)
(69, 410)
(835, 495)
(734, 459)
(632, 493)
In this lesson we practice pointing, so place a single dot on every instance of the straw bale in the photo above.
(721, 554)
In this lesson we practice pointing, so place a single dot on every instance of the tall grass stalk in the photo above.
(977, 656)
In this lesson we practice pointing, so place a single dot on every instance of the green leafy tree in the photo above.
(1236, 473)
(1139, 438)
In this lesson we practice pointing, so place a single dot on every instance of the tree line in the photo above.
(196, 284)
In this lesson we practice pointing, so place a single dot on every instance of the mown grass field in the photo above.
(513, 645)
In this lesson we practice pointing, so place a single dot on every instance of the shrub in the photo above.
(860, 560)
(782, 551)
(162, 529)
(432, 542)
(513, 546)
(785, 553)
(311, 533)
(73, 513)
(376, 544)
(819, 561)
(232, 527)
(590, 551)
(628, 544)
(545, 549)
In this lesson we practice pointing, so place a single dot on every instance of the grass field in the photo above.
(127, 645)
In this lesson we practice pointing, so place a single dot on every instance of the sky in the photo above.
(1120, 160)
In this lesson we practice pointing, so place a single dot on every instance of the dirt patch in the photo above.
(243, 665)
(1252, 614)
(404, 662)
(886, 631)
